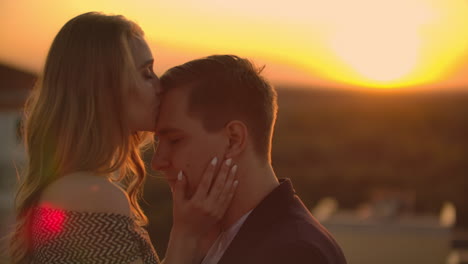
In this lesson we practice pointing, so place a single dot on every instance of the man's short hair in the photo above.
(225, 88)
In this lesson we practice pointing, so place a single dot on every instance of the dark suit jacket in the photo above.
(281, 230)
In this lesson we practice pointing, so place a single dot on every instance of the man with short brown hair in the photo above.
(221, 106)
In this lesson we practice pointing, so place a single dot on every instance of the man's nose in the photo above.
(159, 161)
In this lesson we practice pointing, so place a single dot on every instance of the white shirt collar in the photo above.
(223, 241)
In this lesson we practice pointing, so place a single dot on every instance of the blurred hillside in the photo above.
(347, 144)
(344, 144)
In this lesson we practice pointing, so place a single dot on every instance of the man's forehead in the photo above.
(173, 105)
(171, 117)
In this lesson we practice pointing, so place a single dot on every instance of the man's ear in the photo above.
(237, 134)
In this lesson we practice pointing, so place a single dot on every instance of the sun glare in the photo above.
(389, 44)
(381, 44)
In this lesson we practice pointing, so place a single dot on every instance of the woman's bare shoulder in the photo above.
(86, 192)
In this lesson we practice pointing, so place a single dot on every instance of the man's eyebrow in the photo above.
(147, 63)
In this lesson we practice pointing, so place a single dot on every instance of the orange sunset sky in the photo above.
(419, 44)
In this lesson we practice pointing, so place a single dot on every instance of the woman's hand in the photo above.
(195, 217)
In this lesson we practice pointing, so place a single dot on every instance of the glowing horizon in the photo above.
(362, 43)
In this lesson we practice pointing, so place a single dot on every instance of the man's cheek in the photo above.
(194, 182)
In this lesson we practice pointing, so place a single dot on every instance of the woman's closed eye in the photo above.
(148, 73)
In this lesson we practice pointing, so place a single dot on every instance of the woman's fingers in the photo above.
(219, 182)
(225, 197)
(205, 182)
(194, 217)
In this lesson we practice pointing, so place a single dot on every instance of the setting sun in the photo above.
(390, 44)
(382, 45)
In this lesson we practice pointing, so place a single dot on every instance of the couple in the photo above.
(213, 122)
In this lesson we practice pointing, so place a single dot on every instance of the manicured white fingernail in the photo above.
(180, 176)
(235, 183)
(214, 161)
(228, 162)
(234, 169)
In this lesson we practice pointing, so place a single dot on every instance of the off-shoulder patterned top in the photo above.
(62, 236)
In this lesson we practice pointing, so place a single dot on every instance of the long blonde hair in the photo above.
(75, 116)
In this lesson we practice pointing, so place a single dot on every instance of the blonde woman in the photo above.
(84, 126)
